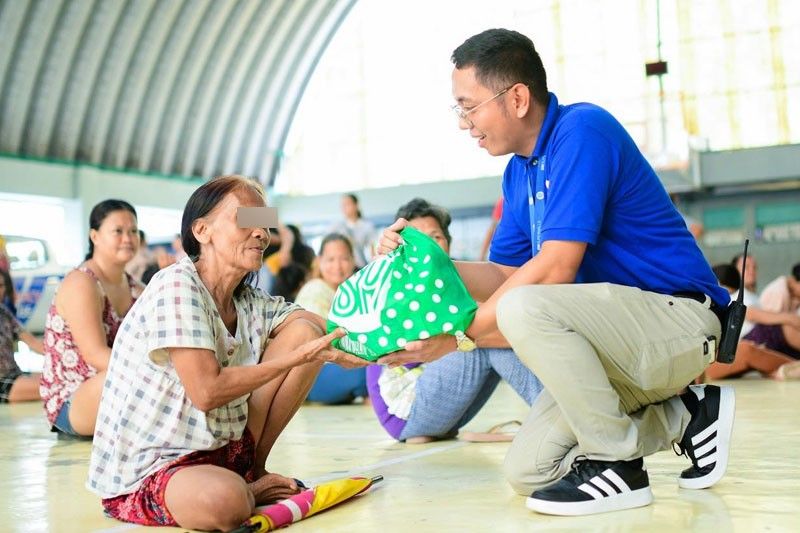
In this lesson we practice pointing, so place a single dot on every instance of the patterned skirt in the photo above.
(147, 506)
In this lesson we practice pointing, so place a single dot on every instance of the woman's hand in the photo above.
(792, 320)
(390, 238)
(321, 350)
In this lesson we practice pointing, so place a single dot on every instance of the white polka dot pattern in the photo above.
(411, 293)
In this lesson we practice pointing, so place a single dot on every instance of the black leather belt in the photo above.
(700, 297)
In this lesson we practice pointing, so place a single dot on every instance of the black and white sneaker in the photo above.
(707, 438)
(595, 487)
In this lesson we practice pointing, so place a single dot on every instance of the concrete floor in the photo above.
(441, 486)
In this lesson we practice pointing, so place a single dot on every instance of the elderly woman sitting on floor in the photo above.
(204, 375)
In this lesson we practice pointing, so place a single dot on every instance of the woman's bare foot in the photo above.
(271, 488)
(420, 440)
(787, 371)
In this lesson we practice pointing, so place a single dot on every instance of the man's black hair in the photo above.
(502, 58)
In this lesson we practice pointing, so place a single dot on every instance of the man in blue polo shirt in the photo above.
(597, 285)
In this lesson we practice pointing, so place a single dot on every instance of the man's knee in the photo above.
(509, 307)
(523, 310)
(524, 474)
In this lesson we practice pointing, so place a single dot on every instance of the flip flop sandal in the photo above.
(788, 371)
(504, 432)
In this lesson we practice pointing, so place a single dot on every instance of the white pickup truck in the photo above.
(36, 275)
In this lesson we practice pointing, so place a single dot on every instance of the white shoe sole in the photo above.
(627, 500)
(727, 409)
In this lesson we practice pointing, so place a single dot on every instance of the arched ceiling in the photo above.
(176, 87)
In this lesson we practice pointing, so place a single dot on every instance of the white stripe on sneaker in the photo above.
(591, 491)
(706, 448)
(600, 483)
(616, 480)
(708, 460)
(703, 435)
(727, 411)
(599, 487)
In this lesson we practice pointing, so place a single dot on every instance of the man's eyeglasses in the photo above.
(463, 114)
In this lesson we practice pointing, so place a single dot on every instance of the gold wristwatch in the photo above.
(464, 343)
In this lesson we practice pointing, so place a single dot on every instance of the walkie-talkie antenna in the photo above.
(732, 320)
(740, 297)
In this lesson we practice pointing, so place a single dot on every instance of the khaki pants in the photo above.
(611, 359)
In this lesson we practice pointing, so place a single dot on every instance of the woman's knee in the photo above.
(214, 505)
(294, 335)
(24, 389)
(300, 331)
(229, 507)
(85, 404)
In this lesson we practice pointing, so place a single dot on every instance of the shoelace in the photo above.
(686, 452)
(584, 468)
(578, 462)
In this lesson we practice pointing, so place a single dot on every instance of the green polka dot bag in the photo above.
(411, 293)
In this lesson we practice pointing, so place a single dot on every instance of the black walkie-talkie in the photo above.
(734, 319)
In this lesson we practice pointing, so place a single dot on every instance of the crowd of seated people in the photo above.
(85, 348)
(750, 355)
(772, 316)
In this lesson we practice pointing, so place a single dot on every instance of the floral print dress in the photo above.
(64, 369)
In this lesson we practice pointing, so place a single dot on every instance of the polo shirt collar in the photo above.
(549, 122)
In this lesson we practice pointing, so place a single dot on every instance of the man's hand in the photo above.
(422, 351)
(390, 238)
